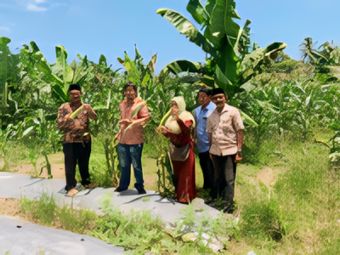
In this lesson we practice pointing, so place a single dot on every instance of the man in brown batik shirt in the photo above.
(77, 139)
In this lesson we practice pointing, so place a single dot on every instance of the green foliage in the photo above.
(43, 210)
(9, 76)
(262, 219)
(229, 63)
(99, 168)
(289, 107)
(260, 151)
(128, 232)
(308, 169)
(80, 221)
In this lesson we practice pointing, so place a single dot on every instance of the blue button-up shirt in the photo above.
(201, 117)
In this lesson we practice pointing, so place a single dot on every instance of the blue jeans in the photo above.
(130, 154)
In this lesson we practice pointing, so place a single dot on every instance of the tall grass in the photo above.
(301, 211)
(262, 219)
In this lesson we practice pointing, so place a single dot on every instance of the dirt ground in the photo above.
(267, 176)
(9, 206)
(57, 165)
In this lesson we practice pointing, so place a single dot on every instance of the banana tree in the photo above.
(105, 96)
(156, 92)
(139, 73)
(8, 77)
(40, 132)
(58, 76)
(225, 42)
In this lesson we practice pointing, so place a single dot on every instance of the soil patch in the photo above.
(57, 167)
(9, 206)
(267, 176)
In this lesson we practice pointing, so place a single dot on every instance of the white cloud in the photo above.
(36, 5)
(35, 8)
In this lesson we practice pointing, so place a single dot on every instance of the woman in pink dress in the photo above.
(178, 129)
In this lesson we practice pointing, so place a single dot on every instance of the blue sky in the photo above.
(110, 27)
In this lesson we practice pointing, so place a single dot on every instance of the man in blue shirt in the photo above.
(201, 114)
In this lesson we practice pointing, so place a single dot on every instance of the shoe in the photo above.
(141, 191)
(72, 192)
(210, 201)
(90, 186)
(119, 189)
(229, 209)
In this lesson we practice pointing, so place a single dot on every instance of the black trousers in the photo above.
(224, 177)
(76, 153)
(207, 170)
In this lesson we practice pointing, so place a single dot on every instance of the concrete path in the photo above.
(14, 185)
(18, 185)
(22, 237)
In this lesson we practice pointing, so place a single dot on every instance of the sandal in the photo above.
(72, 192)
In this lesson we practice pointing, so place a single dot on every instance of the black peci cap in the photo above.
(74, 86)
(216, 91)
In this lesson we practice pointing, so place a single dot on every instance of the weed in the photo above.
(262, 219)
(42, 210)
(80, 221)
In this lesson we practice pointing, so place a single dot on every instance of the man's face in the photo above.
(130, 93)
(219, 100)
(203, 98)
(75, 96)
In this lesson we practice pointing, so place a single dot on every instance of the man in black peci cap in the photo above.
(73, 119)
(225, 129)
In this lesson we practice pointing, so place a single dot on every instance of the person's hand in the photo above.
(87, 108)
(125, 122)
(163, 130)
(238, 157)
(68, 118)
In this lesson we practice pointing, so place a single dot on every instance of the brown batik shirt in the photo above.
(75, 130)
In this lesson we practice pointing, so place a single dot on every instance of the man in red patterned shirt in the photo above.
(133, 116)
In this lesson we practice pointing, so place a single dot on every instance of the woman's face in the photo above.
(173, 104)
(174, 107)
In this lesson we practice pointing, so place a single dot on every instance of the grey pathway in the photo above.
(22, 237)
(12, 239)
(17, 186)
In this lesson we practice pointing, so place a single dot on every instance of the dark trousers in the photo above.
(207, 170)
(224, 177)
(130, 155)
(77, 153)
